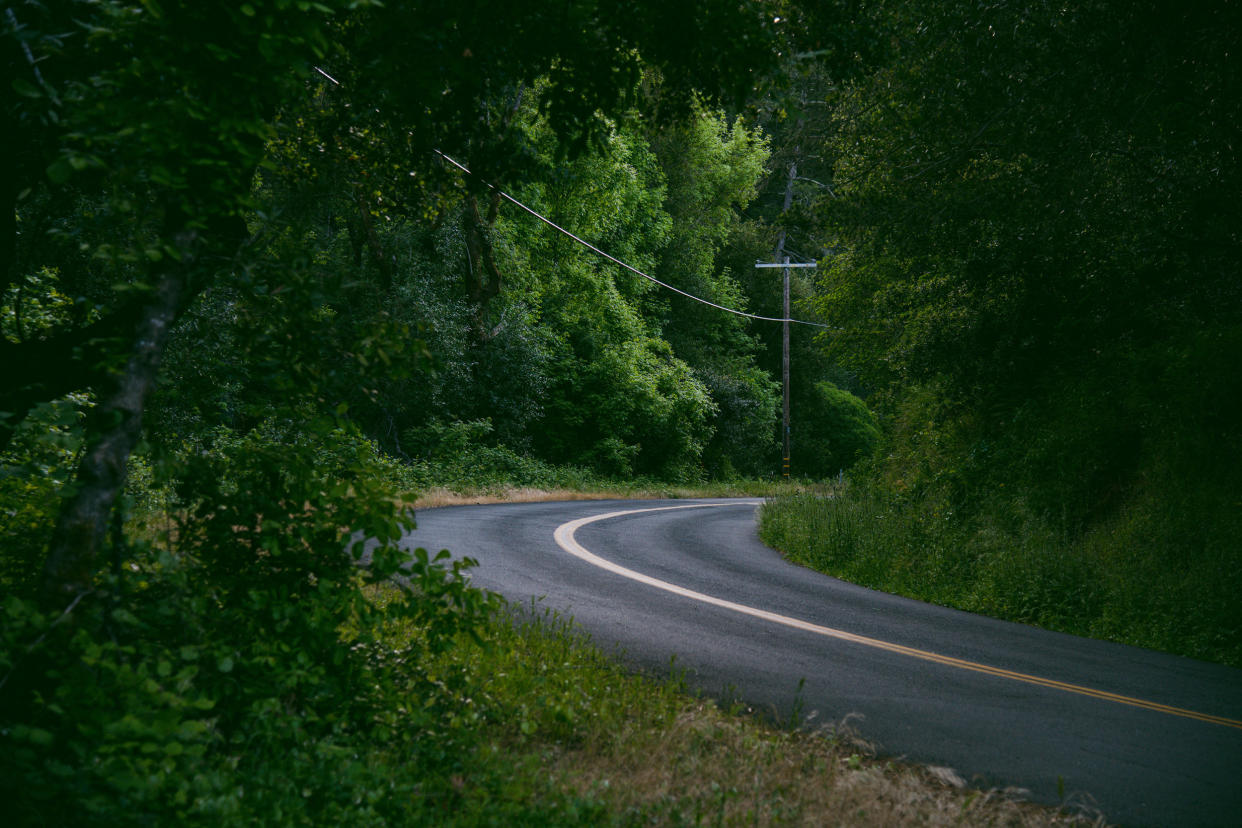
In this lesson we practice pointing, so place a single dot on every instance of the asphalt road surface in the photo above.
(1147, 738)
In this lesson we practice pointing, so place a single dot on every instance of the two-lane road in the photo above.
(1152, 739)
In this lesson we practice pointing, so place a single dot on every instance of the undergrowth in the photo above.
(477, 473)
(568, 736)
(1129, 580)
(233, 664)
(1101, 498)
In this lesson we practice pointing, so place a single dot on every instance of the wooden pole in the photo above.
(782, 261)
(785, 375)
(780, 252)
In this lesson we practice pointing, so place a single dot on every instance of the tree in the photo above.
(1027, 182)
(712, 168)
(835, 429)
(140, 128)
(618, 398)
(201, 218)
(121, 185)
(1036, 249)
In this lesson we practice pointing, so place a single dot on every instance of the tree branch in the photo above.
(79, 356)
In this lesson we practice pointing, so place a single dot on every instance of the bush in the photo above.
(834, 430)
(34, 468)
(1130, 581)
(238, 668)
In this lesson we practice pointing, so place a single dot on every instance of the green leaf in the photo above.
(26, 89)
(60, 171)
(38, 736)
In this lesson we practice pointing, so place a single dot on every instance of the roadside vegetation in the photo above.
(608, 746)
(1118, 585)
(1035, 277)
(231, 665)
(474, 714)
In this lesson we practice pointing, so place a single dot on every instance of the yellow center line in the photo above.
(564, 536)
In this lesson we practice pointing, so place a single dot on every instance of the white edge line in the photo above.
(564, 536)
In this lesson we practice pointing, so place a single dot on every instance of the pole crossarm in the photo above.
(791, 264)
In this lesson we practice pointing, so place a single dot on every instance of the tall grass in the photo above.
(1126, 580)
(557, 732)
(496, 473)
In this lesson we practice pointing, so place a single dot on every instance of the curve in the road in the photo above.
(564, 536)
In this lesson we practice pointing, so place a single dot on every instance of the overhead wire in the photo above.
(604, 254)
(625, 265)
(800, 256)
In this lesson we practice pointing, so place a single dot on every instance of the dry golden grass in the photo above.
(442, 496)
(709, 767)
(652, 759)
(435, 497)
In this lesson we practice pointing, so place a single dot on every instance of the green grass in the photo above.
(479, 474)
(1127, 581)
(458, 493)
(525, 722)
(556, 732)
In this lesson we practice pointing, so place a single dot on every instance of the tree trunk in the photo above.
(370, 236)
(82, 525)
(483, 278)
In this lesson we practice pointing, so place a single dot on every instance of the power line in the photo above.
(628, 267)
(795, 254)
(607, 256)
(326, 75)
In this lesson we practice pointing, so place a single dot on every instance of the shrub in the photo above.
(237, 669)
(834, 431)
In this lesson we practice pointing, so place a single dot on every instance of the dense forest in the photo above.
(1035, 278)
(264, 266)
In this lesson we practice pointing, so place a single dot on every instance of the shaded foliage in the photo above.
(1034, 247)
(219, 261)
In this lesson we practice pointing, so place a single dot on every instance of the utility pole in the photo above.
(784, 373)
(785, 358)
(782, 261)
(780, 252)
(785, 266)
